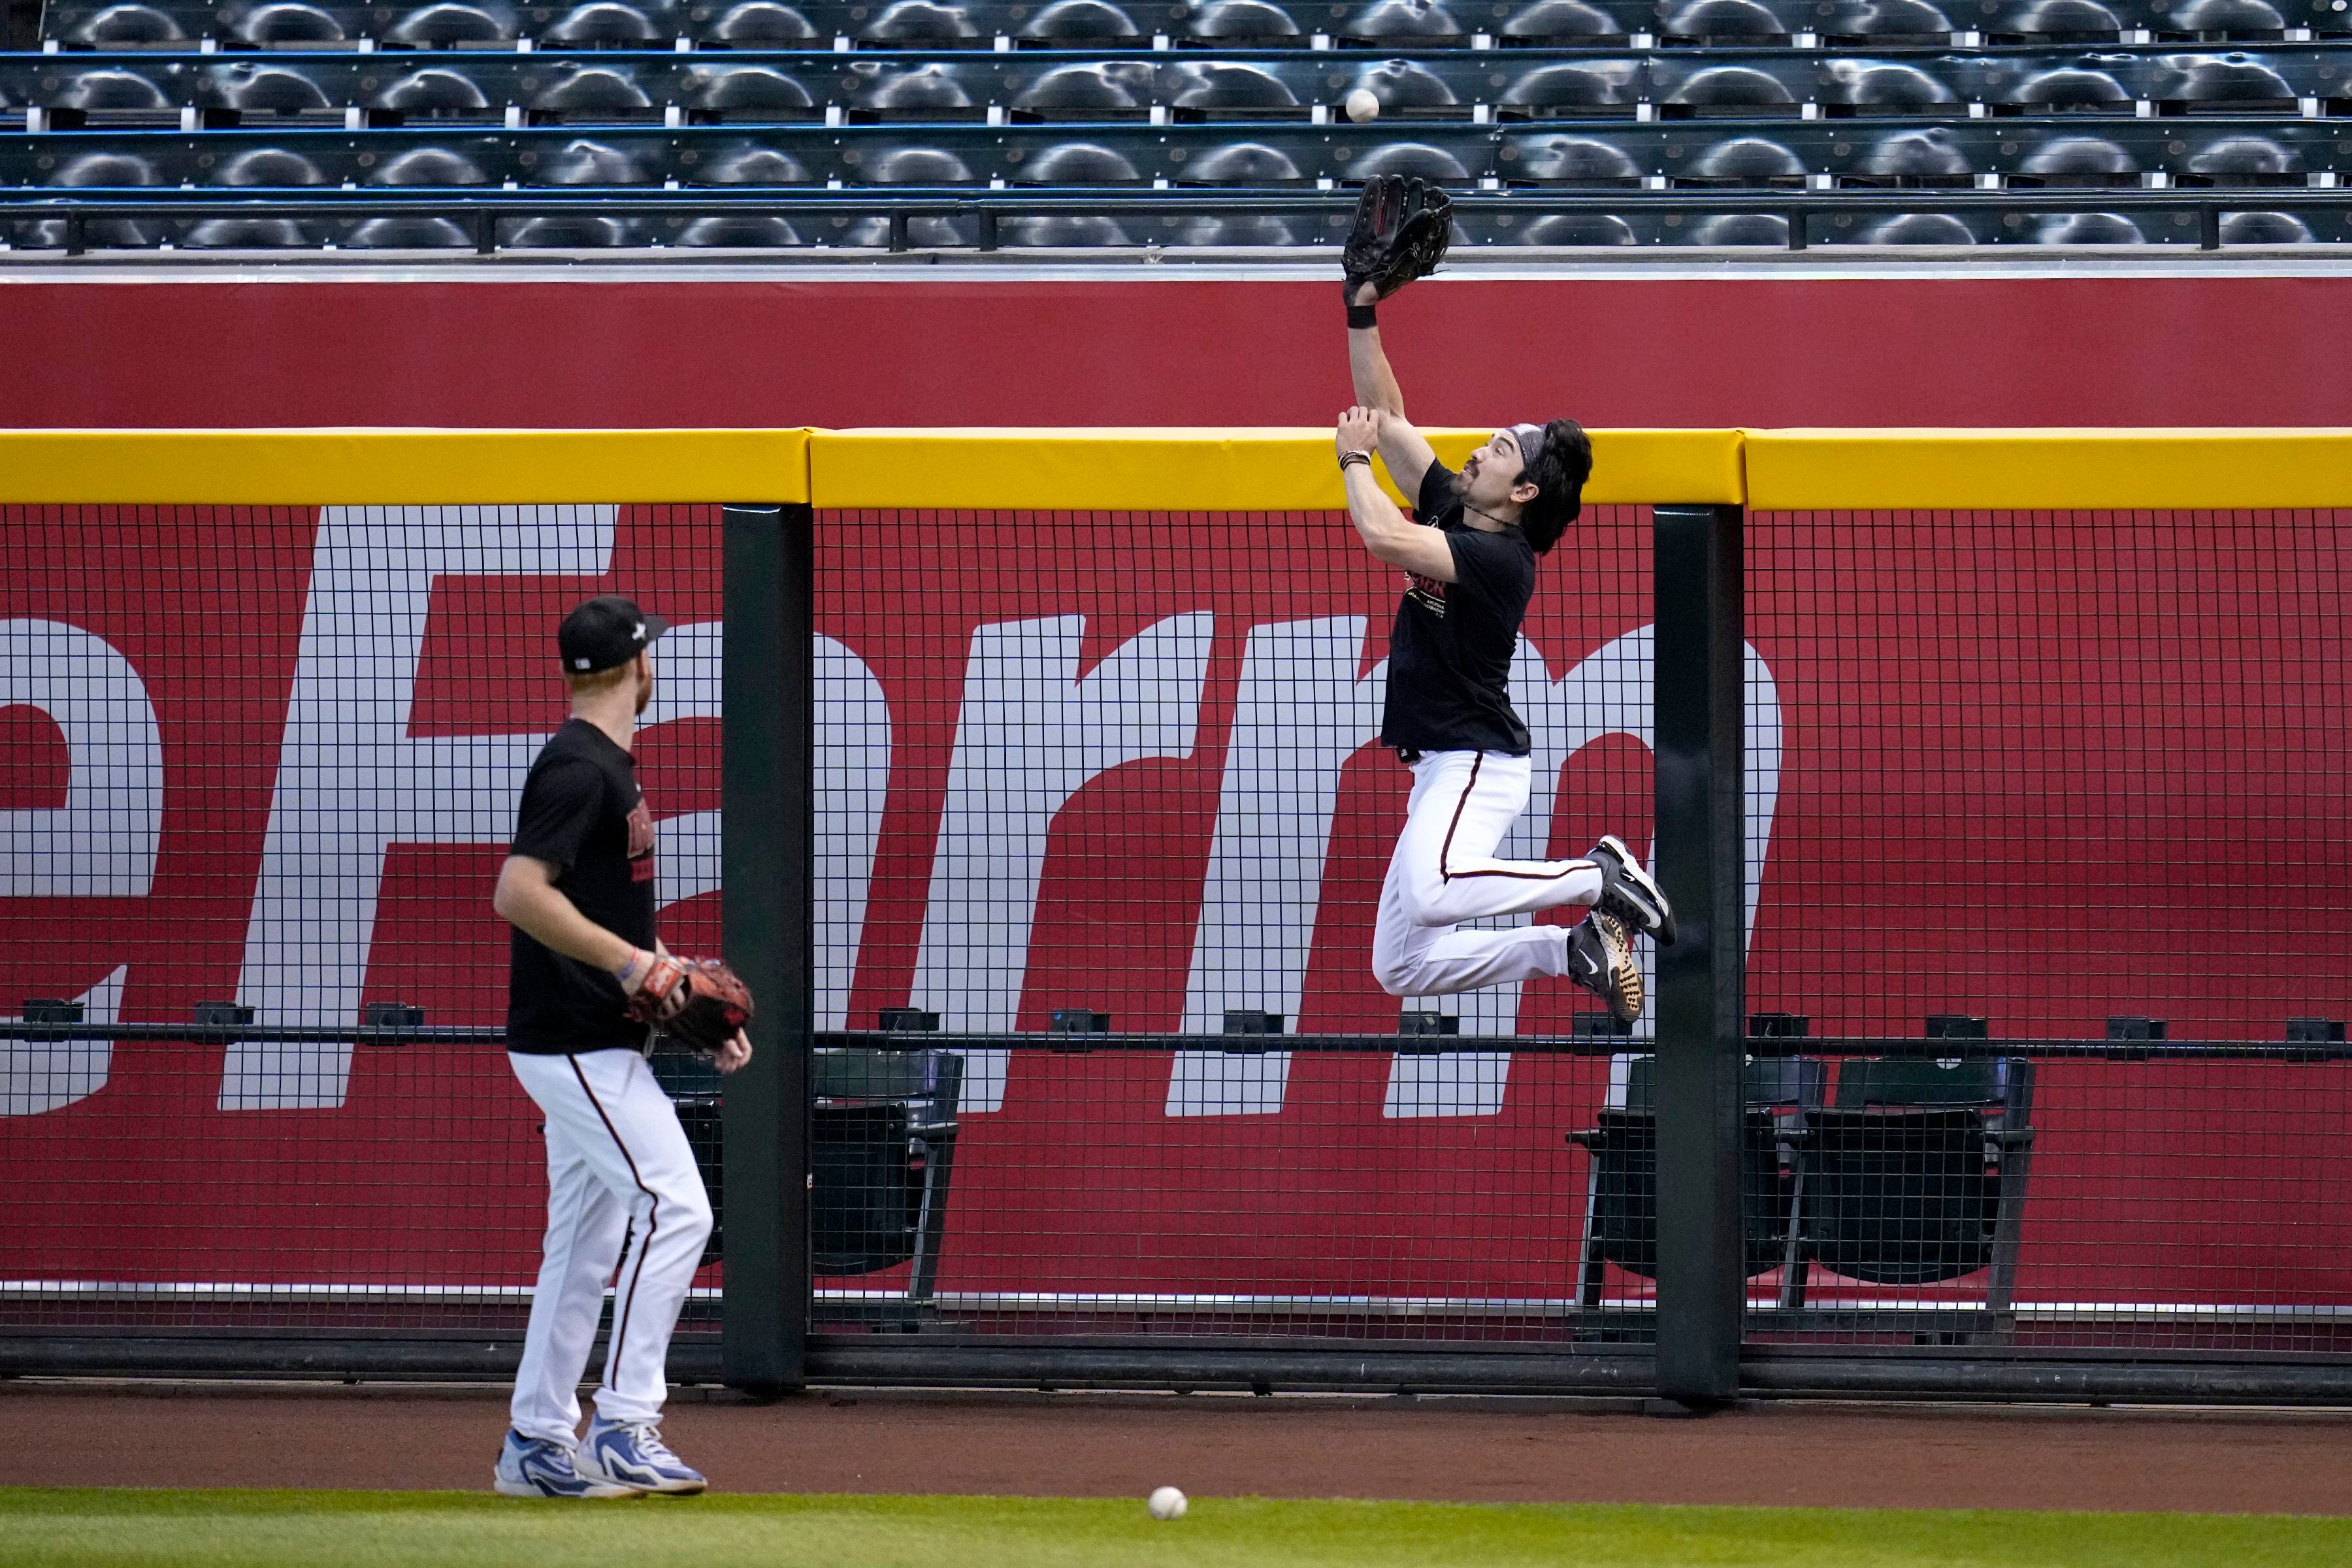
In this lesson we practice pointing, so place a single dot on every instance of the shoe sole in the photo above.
(597, 1491)
(1619, 984)
(1656, 917)
(651, 1488)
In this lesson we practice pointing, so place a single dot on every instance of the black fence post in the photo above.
(768, 843)
(1701, 855)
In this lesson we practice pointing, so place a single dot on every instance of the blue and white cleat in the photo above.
(632, 1454)
(534, 1467)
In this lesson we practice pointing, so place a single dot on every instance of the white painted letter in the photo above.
(1029, 735)
(101, 843)
(351, 782)
(1300, 715)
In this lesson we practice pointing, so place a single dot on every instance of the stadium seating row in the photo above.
(768, 24)
(772, 231)
(2049, 151)
(782, 87)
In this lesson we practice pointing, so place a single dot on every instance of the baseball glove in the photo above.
(1402, 228)
(698, 1002)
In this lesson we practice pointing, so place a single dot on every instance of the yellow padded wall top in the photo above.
(357, 466)
(1201, 469)
(2026, 470)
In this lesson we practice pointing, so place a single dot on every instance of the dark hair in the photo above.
(1559, 476)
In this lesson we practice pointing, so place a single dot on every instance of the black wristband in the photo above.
(1360, 316)
(1349, 460)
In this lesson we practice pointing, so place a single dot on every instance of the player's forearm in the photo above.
(542, 913)
(1368, 367)
(1377, 521)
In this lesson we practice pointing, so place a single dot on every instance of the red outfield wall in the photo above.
(2128, 716)
(1175, 351)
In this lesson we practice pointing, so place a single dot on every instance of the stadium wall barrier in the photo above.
(264, 741)
(2208, 344)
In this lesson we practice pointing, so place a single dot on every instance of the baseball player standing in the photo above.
(1469, 557)
(587, 972)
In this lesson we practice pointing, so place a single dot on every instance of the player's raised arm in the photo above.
(1401, 230)
(1388, 533)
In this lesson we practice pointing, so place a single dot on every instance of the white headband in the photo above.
(1531, 439)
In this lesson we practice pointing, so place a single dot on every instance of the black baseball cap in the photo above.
(604, 633)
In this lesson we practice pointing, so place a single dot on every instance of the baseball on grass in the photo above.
(1166, 1502)
(1362, 106)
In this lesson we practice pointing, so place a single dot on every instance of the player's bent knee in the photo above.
(1396, 979)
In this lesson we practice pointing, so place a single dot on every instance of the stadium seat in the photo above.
(1564, 22)
(1621, 1208)
(452, 22)
(2264, 229)
(1742, 229)
(1239, 21)
(284, 22)
(2087, 228)
(417, 233)
(1723, 22)
(1577, 90)
(1918, 1175)
(1880, 87)
(883, 1149)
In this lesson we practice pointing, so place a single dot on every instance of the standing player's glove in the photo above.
(1402, 228)
(698, 1002)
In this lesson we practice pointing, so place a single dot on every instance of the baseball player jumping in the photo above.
(1470, 565)
(589, 984)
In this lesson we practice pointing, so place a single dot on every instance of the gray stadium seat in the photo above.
(128, 26)
(1724, 22)
(610, 24)
(1108, 87)
(285, 22)
(2087, 228)
(2247, 160)
(740, 231)
(742, 164)
(1563, 22)
(920, 92)
(1918, 1175)
(761, 24)
(1743, 160)
(1397, 21)
(1211, 88)
(454, 22)
(718, 93)
(1577, 89)
(1621, 1208)
(1077, 22)
(1077, 163)
(2264, 229)
(2078, 160)
(1882, 87)
(1742, 229)
(1076, 231)
(1239, 21)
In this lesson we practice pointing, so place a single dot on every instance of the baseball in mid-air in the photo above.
(1362, 106)
(1166, 1502)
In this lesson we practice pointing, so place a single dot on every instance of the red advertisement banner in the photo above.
(2040, 770)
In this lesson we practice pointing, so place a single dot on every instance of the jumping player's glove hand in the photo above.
(698, 1002)
(1402, 228)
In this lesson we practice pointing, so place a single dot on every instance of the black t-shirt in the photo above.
(1450, 651)
(584, 814)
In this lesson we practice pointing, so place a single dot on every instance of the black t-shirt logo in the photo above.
(641, 844)
(1427, 592)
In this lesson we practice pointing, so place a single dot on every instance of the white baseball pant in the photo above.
(1443, 872)
(617, 1165)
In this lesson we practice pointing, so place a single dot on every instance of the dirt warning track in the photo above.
(181, 1435)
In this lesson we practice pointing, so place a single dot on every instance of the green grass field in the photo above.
(408, 1529)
